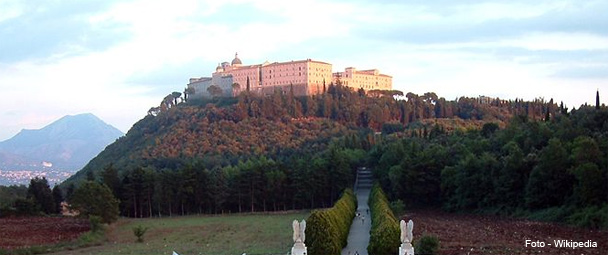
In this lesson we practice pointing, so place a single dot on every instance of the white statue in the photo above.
(406, 231)
(296, 231)
(303, 230)
(299, 236)
(406, 237)
(299, 231)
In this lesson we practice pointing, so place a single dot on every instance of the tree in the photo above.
(549, 181)
(94, 199)
(324, 88)
(110, 179)
(236, 88)
(167, 102)
(139, 232)
(189, 91)
(248, 84)
(41, 194)
(597, 100)
(590, 183)
(509, 185)
(57, 199)
(176, 95)
(154, 111)
(586, 155)
(214, 91)
(218, 190)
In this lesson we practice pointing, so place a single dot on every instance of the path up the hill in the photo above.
(358, 237)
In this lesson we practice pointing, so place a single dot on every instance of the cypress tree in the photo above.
(597, 100)
(324, 89)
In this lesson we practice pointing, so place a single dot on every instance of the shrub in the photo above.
(327, 230)
(96, 223)
(26, 207)
(428, 245)
(92, 198)
(398, 207)
(384, 235)
(139, 232)
(552, 214)
(594, 217)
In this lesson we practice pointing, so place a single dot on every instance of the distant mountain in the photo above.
(68, 143)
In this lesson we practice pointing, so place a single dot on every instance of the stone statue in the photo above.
(406, 231)
(299, 236)
(406, 237)
(296, 231)
(299, 231)
(303, 230)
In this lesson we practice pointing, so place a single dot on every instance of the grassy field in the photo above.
(226, 234)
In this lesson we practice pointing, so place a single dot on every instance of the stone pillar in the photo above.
(298, 249)
(406, 249)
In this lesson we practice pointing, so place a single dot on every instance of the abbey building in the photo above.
(306, 77)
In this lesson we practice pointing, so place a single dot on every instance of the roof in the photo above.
(299, 61)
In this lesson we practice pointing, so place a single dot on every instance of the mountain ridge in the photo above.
(69, 142)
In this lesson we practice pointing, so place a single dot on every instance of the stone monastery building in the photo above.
(306, 76)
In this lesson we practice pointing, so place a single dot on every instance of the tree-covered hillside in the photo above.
(275, 152)
(280, 125)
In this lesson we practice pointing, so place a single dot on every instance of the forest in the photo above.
(553, 170)
(281, 152)
(224, 131)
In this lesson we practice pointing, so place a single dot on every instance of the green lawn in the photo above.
(226, 234)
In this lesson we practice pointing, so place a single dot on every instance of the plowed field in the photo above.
(478, 234)
(31, 231)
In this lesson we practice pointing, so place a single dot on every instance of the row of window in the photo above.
(293, 82)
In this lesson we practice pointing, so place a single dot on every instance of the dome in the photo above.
(236, 60)
(219, 68)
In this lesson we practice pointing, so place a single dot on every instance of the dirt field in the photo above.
(30, 231)
(476, 234)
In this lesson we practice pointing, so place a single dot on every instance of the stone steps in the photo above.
(364, 178)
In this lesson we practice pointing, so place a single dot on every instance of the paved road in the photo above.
(358, 237)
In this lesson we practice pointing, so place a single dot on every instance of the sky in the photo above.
(116, 59)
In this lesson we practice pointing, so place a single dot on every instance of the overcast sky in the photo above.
(116, 59)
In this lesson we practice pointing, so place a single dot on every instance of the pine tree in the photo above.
(41, 193)
(110, 178)
(92, 198)
(57, 198)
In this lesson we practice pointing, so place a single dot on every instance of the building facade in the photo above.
(367, 79)
(306, 77)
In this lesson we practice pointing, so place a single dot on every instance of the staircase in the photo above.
(364, 178)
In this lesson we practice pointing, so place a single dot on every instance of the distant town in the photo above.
(22, 177)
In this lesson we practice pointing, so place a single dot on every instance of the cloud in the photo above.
(584, 72)
(119, 58)
(487, 21)
(40, 29)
